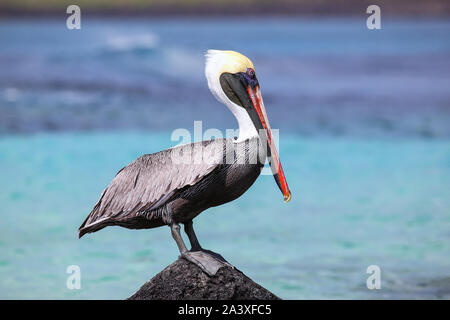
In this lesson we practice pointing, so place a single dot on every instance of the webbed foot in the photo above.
(210, 262)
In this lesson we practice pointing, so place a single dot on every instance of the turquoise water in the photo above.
(355, 203)
(364, 119)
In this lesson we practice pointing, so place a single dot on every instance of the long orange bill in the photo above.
(274, 159)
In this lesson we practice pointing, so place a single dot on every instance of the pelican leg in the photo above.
(204, 259)
(175, 229)
(189, 229)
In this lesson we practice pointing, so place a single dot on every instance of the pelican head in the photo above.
(232, 80)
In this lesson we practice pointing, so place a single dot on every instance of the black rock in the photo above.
(183, 280)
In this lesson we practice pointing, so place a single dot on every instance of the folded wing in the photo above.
(153, 179)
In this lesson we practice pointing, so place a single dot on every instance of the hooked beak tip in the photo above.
(288, 197)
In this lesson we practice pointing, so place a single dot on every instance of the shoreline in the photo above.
(327, 8)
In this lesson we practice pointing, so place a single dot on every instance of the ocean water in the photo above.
(364, 120)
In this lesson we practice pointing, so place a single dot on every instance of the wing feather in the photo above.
(149, 181)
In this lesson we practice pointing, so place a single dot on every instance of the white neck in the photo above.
(247, 129)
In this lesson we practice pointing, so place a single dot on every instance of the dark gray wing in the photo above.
(152, 179)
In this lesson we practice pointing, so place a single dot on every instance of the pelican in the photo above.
(173, 186)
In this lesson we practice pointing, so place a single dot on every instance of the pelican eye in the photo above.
(251, 73)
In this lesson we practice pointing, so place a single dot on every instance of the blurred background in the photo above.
(364, 119)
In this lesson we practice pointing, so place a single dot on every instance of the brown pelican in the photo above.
(175, 185)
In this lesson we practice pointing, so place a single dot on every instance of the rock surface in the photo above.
(183, 280)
